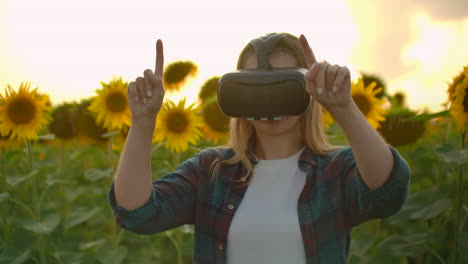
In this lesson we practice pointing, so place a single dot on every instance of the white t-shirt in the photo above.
(265, 227)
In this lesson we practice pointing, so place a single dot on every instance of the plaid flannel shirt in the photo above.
(333, 201)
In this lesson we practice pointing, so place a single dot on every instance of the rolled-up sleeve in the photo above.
(364, 204)
(171, 204)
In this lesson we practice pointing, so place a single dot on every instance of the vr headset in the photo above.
(264, 93)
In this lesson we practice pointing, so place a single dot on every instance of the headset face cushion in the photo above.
(261, 94)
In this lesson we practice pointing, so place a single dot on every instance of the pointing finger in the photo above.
(159, 58)
(310, 56)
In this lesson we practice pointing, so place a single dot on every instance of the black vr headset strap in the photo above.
(263, 46)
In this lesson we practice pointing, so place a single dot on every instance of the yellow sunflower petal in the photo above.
(177, 125)
(23, 113)
(455, 82)
(459, 106)
(111, 104)
(366, 99)
(370, 106)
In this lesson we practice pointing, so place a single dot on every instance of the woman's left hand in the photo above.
(329, 84)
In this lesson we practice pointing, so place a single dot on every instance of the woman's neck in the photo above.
(270, 147)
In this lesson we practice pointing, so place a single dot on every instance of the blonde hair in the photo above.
(242, 133)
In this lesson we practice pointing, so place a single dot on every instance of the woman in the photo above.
(300, 195)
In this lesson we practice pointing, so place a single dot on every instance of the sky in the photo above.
(66, 48)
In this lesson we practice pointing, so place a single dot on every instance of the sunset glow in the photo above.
(67, 48)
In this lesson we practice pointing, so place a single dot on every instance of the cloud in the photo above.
(415, 46)
(444, 10)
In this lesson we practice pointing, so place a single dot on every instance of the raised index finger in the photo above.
(159, 58)
(307, 51)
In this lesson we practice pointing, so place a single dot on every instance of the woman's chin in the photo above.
(274, 127)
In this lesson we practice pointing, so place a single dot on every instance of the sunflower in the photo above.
(368, 79)
(23, 113)
(89, 132)
(398, 130)
(459, 106)
(177, 125)
(216, 123)
(62, 125)
(209, 89)
(366, 100)
(455, 82)
(111, 104)
(178, 74)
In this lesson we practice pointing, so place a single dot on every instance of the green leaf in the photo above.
(52, 181)
(426, 116)
(91, 244)
(97, 174)
(432, 210)
(110, 134)
(79, 216)
(407, 245)
(68, 257)
(22, 258)
(443, 148)
(450, 154)
(416, 202)
(4, 196)
(438, 235)
(111, 255)
(462, 239)
(47, 225)
(458, 157)
(14, 180)
(46, 137)
(361, 243)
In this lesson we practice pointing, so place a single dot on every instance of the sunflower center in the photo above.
(21, 111)
(363, 103)
(465, 101)
(177, 122)
(116, 102)
(215, 118)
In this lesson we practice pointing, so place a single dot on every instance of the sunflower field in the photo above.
(57, 163)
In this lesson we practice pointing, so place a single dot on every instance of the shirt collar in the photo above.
(308, 161)
(307, 157)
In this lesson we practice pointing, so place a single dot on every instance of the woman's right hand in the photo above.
(146, 94)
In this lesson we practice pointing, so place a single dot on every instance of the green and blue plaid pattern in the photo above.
(333, 201)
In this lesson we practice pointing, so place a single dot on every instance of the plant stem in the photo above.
(66, 206)
(459, 201)
(176, 159)
(109, 153)
(33, 181)
(177, 246)
(431, 250)
(62, 157)
(2, 153)
(37, 215)
(42, 249)
(25, 207)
